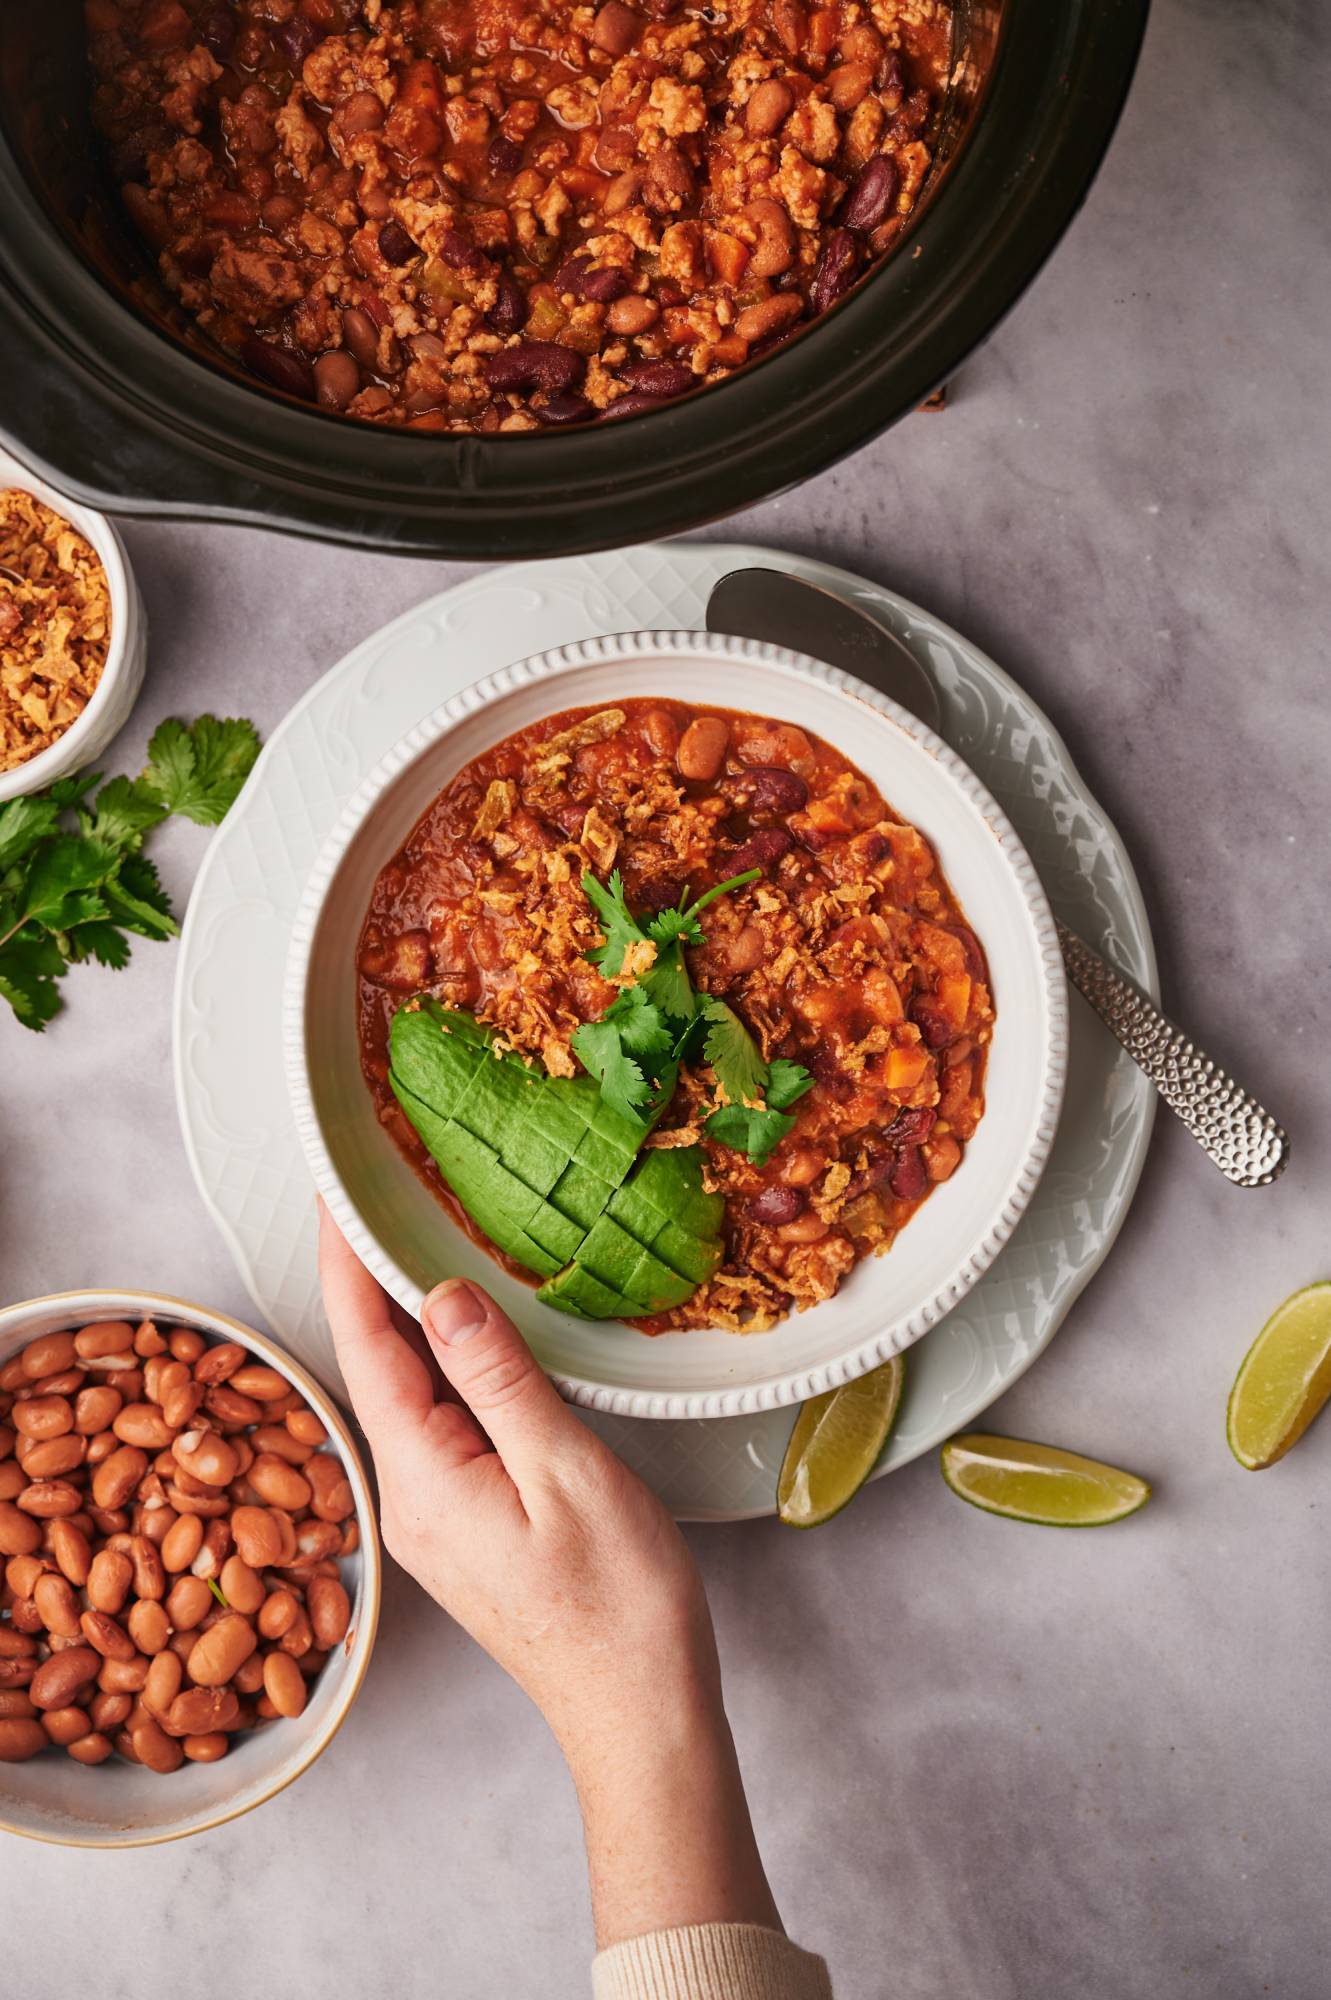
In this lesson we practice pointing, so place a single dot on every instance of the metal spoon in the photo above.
(1231, 1128)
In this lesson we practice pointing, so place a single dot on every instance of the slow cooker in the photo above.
(108, 392)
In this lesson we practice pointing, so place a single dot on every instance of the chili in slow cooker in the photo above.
(479, 215)
(849, 955)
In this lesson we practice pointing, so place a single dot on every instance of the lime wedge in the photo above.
(1284, 1380)
(835, 1445)
(1038, 1482)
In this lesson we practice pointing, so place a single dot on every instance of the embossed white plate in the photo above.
(230, 1085)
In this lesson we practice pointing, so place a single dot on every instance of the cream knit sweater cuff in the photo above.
(710, 1962)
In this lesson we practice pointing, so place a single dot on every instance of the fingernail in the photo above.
(453, 1312)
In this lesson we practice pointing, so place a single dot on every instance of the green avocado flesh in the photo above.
(551, 1174)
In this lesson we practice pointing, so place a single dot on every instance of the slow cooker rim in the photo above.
(235, 454)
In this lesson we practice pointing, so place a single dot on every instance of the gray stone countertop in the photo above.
(984, 1760)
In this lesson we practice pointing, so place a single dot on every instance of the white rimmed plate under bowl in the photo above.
(118, 1804)
(407, 1238)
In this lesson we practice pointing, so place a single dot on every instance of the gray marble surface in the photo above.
(985, 1760)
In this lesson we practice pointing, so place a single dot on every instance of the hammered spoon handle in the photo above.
(1231, 1128)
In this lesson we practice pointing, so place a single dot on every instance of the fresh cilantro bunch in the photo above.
(74, 881)
(635, 1049)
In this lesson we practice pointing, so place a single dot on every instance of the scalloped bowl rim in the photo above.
(838, 690)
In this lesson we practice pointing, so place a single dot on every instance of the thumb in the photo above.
(494, 1372)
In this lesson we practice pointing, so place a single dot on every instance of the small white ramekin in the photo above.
(122, 676)
(117, 1804)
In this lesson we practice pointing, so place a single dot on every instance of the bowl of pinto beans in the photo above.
(190, 1569)
(693, 997)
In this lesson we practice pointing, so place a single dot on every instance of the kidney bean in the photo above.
(58, 1680)
(297, 38)
(117, 1476)
(702, 748)
(772, 1206)
(767, 788)
(635, 404)
(604, 284)
(503, 157)
(872, 193)
(535, 364)
(395, 245)
(278, 365)
(935, 1030)
(557, 411)
(329, 1610)
(104, 1336)
(909, 1180)
(912, 1125)
(835, 270)
(19, 1533)
(217, 1653)
(760, 850)
(20, 1739)
(659, 378)
(217, 31)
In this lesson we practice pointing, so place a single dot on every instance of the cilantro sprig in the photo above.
(74, 882)
(634, 1050)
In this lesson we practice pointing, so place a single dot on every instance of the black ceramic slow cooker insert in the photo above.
(108, 392)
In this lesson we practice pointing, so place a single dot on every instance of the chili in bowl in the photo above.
(739, 1024)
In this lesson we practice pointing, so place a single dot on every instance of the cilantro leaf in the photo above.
(621, 929)
(98, 940)
(198, 769)
(601, 1053)
(749, 1130)
(138, 901)
(30, 964)
(733, 1054)
(122, 813)
(668, 984)
(786, 1083)
(641, 1025)
(73, 880)
(675, 924)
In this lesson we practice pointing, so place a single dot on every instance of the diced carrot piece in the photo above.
(947, 952)
(581, 180)
(727, 256)
(954, 997)
(420, 88)
(729, 351)
(906, 1066)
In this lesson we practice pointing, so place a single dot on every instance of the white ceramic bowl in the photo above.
(122, 676)
(117, 1804)
(407, 1238)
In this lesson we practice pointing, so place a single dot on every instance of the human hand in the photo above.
(515, 1516)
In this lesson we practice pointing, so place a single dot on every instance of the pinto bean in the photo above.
(144, 1425)
(702, 748)
(19, 1533)
(118, 1475)
(217, 1653)
(333, 1499)
(57, 1604)
(65, 1725)
(50, 1499)
(53, 1456)
(105, 1336)
(188, 1603)
(768, 318)
(20, 1739)
(329, 1610)
(336, 377)
(768, 108)
(58, 1680)
(632, 314)
(42, 1417)
(51, 1355)
(615, 28)
(806, 1228)
(72, 1551)
(257, 1536)
(183, 1542)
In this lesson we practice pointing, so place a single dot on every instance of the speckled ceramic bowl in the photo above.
(118, 1804)
(408, 1239)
